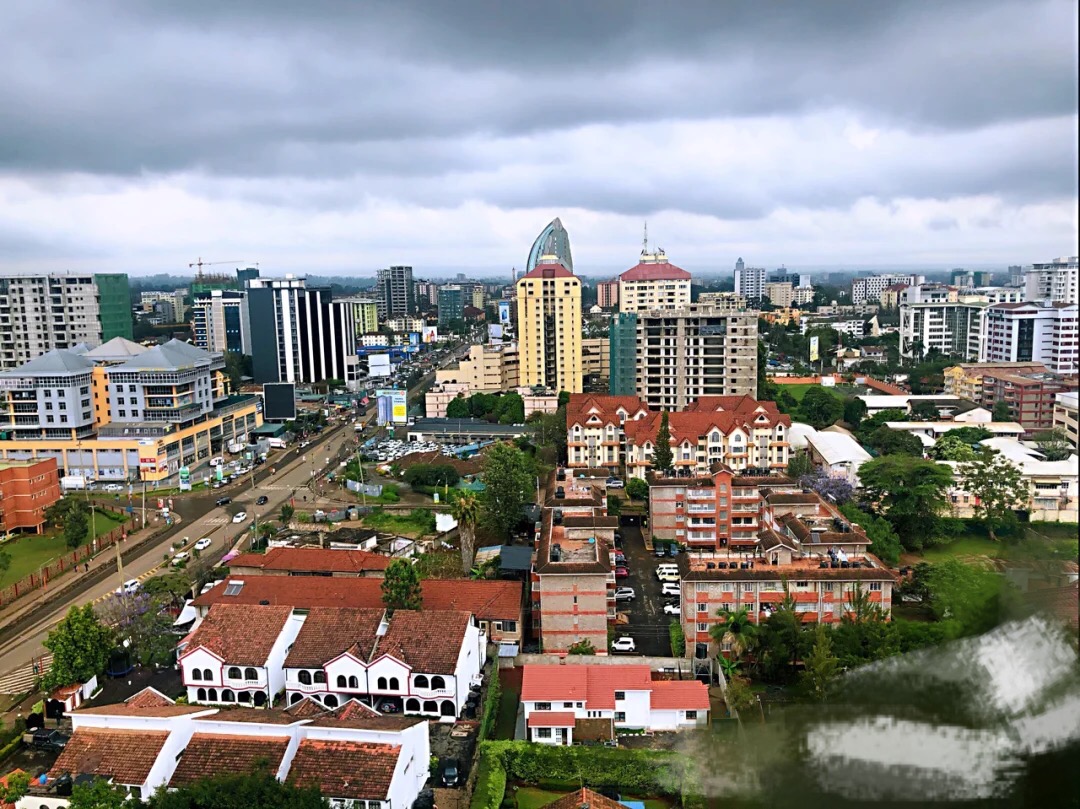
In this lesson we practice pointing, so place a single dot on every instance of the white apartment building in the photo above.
(1065, 417)
(654, 283)
(1054, 281)
(803, 295)
(951, 327)
(870, 288)
(404, 324)
(219, 321)
(1040, 332)
(750, 282)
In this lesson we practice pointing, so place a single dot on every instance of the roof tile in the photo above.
(329, 631)
(240, 634)
(321, 560)
(210, 754)
(357, 770)
(125, 756)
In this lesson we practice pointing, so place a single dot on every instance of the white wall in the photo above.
(636, 706)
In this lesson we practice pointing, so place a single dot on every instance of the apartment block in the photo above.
(1031, 396)
(780, 294)
(723, 301)
(27, 488)
(365, 313)
(1054, 281)
(549, 327)
(174, 298)
(622, 355)
(864, 290)
(607, 294)
(489, 367)
(395, 293)
(219, 321)
(41, 312)
(965, 380)
(750, 282)
(596, 362)
(595, 429)
(695, 351)
(1045, 333)
(951, 327)
(1065, 417)
(653, 283)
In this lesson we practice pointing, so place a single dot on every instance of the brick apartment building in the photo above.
(1030, 396)
(27, 488)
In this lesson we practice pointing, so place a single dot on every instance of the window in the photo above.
(568, 705)
(691, 714)
(381, 684)
(354, 682)
(620, 716)
(320, 676)
(394, 685)
(438, 682)
(196, 674)
(543, 733)
(702, 627)
(702, 607)
(251, 674)
(509, 626)
(421, 681)
(620, 695)
(543, 706)
(207, 675)
(305, 677)
(341, 682)
(875, 586)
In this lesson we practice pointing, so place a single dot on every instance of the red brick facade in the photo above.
(27, 488)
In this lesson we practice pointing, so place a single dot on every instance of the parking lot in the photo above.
(648, 623)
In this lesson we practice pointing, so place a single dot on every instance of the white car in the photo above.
(114, 487)
(671, 589)
(623, 644)
(130, 587)
(239, 516)
(180, 558)
(203, 544)
(625, 594)
(672, 609)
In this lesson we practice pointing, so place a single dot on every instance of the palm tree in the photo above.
(286, 515)
(465, 508)
(736, 631)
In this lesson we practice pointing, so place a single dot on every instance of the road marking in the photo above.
(22, 679)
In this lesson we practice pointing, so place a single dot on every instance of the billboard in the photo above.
(814, 351)
(392, 407)
(185, 479)
(414, 338)
(504, 312)
(495, 333)
(378, 365)
(280, 401)
(430, 334)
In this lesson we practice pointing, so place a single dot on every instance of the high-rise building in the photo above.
(219, 321)
(622, 348)
(607, 294)
(364, 311)
(245, 275)
(1031, 332)
(41, 312)
(691, 352)
(653, 283)
(869, 288)
(549, 326)
(780, 293)
(750, 282)
(395, 293)
(451, 304)
(298, 334)
(966, 279)
(740, 264)
(1054, 281)
(552, 241)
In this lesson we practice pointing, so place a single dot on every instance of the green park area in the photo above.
(30, 553)
(799, 391)
(530, 797)
(1041, 541)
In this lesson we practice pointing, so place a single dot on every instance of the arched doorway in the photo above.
(260, 699)
(295, 698)
(330, 701)
(200, 695)
(431, 706)
(412, 705)
(447, 709)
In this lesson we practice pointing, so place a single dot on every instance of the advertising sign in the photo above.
(414, 338)
(814, 351)
(504, 312)
(280, 401)
(185, 479)
(392, 407)
(430, 334)
(495, 333)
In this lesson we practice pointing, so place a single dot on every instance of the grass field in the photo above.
(527, 797)
(1043, 541)
(414, 524)
(29, 553)
(799, 391)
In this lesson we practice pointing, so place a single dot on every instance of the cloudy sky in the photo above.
(337, 136)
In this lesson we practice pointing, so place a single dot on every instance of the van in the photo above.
(276, 443)
(218, 461)
(668, 573)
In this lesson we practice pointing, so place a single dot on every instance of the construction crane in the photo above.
(200, 264)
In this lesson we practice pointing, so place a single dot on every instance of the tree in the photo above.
(737, 632)
(854, 411)
(140, 619)
(76, 527)
(614, 506)
(888, 441)
(100, 794)
(510, 409)
(924, 411)
(911, 494)
(256, 790)
(884, 543)
(800, 465)
(466, 510)
(549, 430)
(5, 562)
(637, 489)
(286, 514)
(458, 408)
(951, 448)
(836, 489)
(662, 457)
(81, 645)
(970, 435)
(869, 424)
(17, 785)
(971, 597)
(999, 490)
(820, 409)
(821, 666)
(169, 588)
(508, 479)
(1054, 444)
(582, 647)
(1001, 411)
(401, 586)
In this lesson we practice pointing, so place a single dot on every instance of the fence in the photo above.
(72, 559)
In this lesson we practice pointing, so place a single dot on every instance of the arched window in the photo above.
(412, 705)
(381, 684)
(330, 701)
(200, 695)
(320, 676)
(234, 673)
(341, 681)
(227, 696)
(244, 696)
(431, 706)
(420, 681)
(394, 684)
(304, 677)
(354, 682)
(438, 682)
(295, 698)
(447, 708)
(251, 674)
(211, 695)
(196, 674)
(207, 674)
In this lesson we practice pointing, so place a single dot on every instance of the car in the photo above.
(223, 501)
(614, 483)
(671, 588)
(180, 558)
(114, 487)
(48, 739)
(217, 484)
(673, 549)
(203, 544)
(450, 774)
(622, 572)
(239, 516)
(128, 588)
(674, 608)
(388, 706)
(620, 559)
(263, 500)
(625, 594)
(659, 551)
(623, 644)
(259, 461)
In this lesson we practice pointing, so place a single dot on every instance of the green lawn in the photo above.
(799, 391)
(410, 524)
(527, 797)
(30, 552)
(1043, 541)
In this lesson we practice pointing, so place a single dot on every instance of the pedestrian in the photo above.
(86, 567)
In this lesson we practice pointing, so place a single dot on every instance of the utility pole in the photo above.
(144, 503)
(120, 567)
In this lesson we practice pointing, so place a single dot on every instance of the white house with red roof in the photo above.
(562, 703)
(596, 428)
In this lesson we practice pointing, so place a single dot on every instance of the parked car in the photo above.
(673, 549)
(450, 774)
(203, 544)
(622, 572)
(668, 572)
(239, 516)
(671, 588)
(623, 644)
(180, 558)
(128, 588)
(388, 706)
(47, 739)
(114, 487)
(660, 551)
(262, 501)
(625, 594)
(223, 501)
(613, 483)
(675, 608)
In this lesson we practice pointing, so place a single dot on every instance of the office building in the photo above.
(299, 335)
(122, 412)
(1054, 281)
(750, 282)
(478, 296)
(740, 264)
(552, 241)
(219, 321)
(936, 316)
(966, 279)
(173, 300)
(1031, 332)
(695, 351)
(365, 313)
(724, 301)
(607, 294)
(27, 489)
(246, 274)
(489, 367)
(549, 326)
(395, 293)
(1065, 417)
(869, 288)
(780, 293)
(41, 312)
(451, 304)
(653, 283)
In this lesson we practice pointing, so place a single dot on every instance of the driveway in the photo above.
(648, 623)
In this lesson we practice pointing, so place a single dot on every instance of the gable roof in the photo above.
(427, 641)
(548, 270)
(582, 406)
(240, 634)
(356, 715)
(584, 798)
(357, 770)
(329, 631)
(594, 685)
(210, 754)
(742, 413)
(313, 559)
(125, 756)
(655, 271)
(680, 695)
(57, 361)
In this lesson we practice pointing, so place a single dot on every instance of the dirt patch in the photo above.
(470, 466)
(458, 741)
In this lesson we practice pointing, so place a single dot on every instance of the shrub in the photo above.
(678, 639)
(436, 475)
(491, 704)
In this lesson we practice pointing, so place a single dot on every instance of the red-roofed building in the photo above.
(653, 283)
(595, 428)
(560, 699)
(310, 562)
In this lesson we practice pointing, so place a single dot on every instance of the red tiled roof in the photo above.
(357, 770)
(680, 695)
(584, 797)
(427, 641)
(487, 600)
(579, 408)
(553, 270)
(125, 756)
(358, 716)
(655, 272)
(149, 698)
(551, 719)
(329, 631)
(210, 754)
(594, 685)
(252, 716)
(321, 560)
(126, 709)
(240, 634)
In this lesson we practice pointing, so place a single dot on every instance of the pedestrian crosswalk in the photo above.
(22, 680)
(217, 521)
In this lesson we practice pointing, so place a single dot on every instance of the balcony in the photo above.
(700, 508)
(700, 494)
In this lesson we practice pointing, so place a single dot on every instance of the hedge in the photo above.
(645, 772)
(491, 703)
(678, 639)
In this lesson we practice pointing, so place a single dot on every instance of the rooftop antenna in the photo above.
(645, 240)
